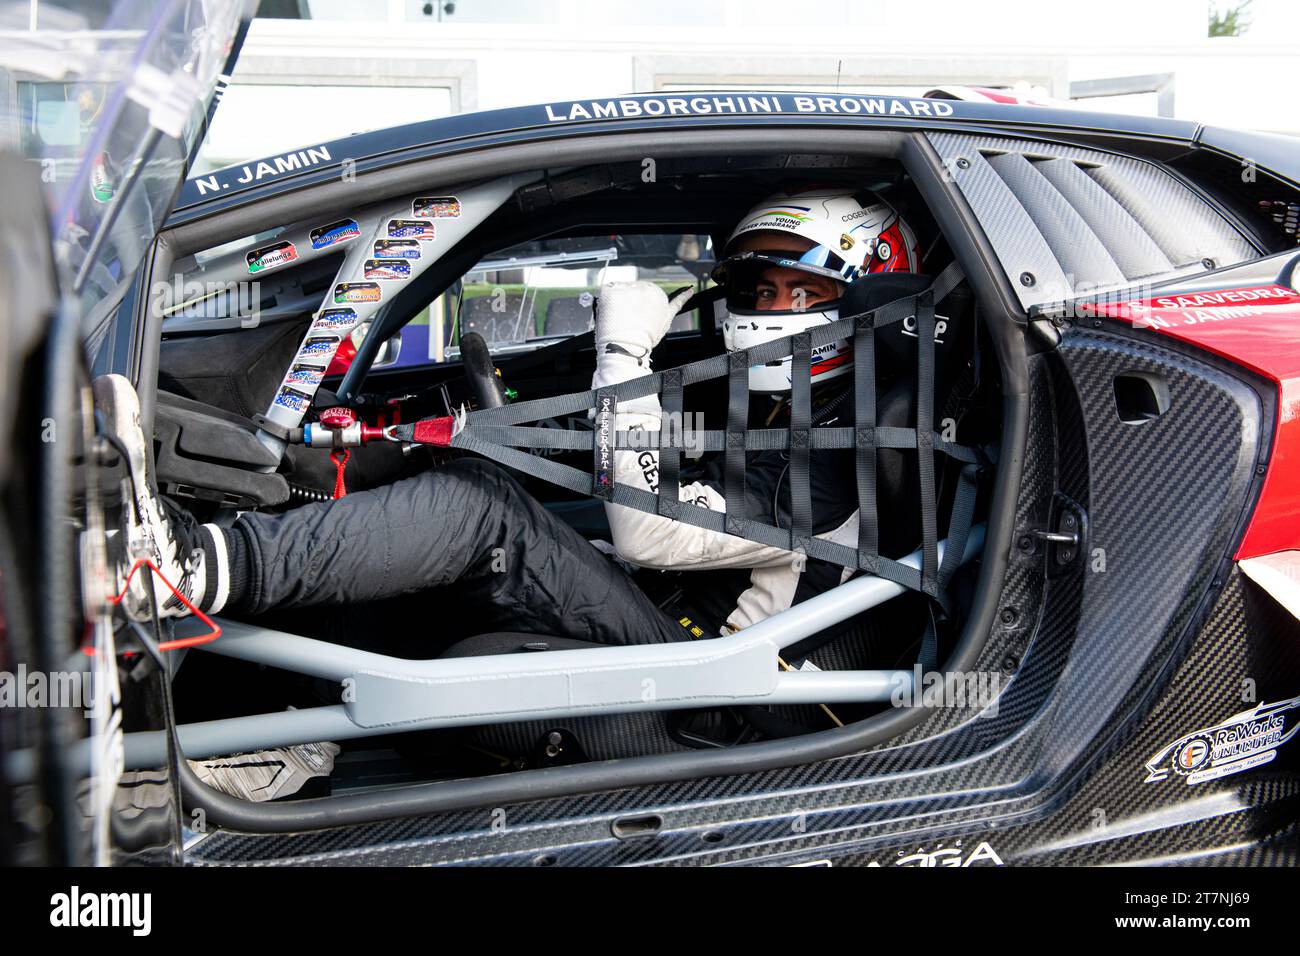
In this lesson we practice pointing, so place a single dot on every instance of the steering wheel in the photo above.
(485, 384)
(484, 381)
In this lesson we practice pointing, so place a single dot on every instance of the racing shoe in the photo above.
(152, 527)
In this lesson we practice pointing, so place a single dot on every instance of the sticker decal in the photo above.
(318, 349)
(411, 229)
(397, 249)
(789, 216)
(268, 257)
(323, 237)
(334, 320)
(270, 168)
(357, 292)
(387, 269)
(292, 400)
(840, 105)
(436, 207)
(1199, 308)
(101, 183)
(603, 446)
(1245, 740)
(305, 376)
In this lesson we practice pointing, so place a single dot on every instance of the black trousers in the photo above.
(423, 561)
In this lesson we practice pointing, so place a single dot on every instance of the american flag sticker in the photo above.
(397, 249)
(387, 269)
(411, 229)
(318, 350)
(304, 376)
(294, 401)
(334, 320)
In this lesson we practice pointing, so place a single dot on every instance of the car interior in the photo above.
(524, 278)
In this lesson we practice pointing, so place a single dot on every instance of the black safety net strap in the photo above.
(928, 656)
(800, 429)
(756, 439)
(864, 388)
(603, 440)
(925, 444)
(506, 435)
(866, 442)
(959, 524)
(733, 475)
(570, 478)
(670, 444)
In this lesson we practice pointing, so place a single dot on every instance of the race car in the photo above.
(1107, 403)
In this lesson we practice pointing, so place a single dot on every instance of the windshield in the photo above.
(534, 293)
(110, 101)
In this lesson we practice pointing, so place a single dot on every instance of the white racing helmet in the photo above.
(852, 234)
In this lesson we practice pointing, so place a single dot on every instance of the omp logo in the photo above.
(77, 909)
(940, 327)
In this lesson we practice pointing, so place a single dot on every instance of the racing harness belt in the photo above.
(501, 434)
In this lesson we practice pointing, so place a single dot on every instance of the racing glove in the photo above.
(631, 319)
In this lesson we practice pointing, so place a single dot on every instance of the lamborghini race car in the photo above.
(1090, 438)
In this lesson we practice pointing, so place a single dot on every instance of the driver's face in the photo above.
(781, 289)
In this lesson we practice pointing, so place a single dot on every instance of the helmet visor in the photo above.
(740, 275)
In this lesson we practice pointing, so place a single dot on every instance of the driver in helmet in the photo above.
(468, 530)
(788, 260)
(784, 270)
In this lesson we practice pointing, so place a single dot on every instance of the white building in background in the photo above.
(353, 66)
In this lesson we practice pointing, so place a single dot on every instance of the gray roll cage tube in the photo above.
(1005, 322)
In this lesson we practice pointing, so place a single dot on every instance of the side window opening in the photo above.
(542, 291)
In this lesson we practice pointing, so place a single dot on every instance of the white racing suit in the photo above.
(771, 579)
